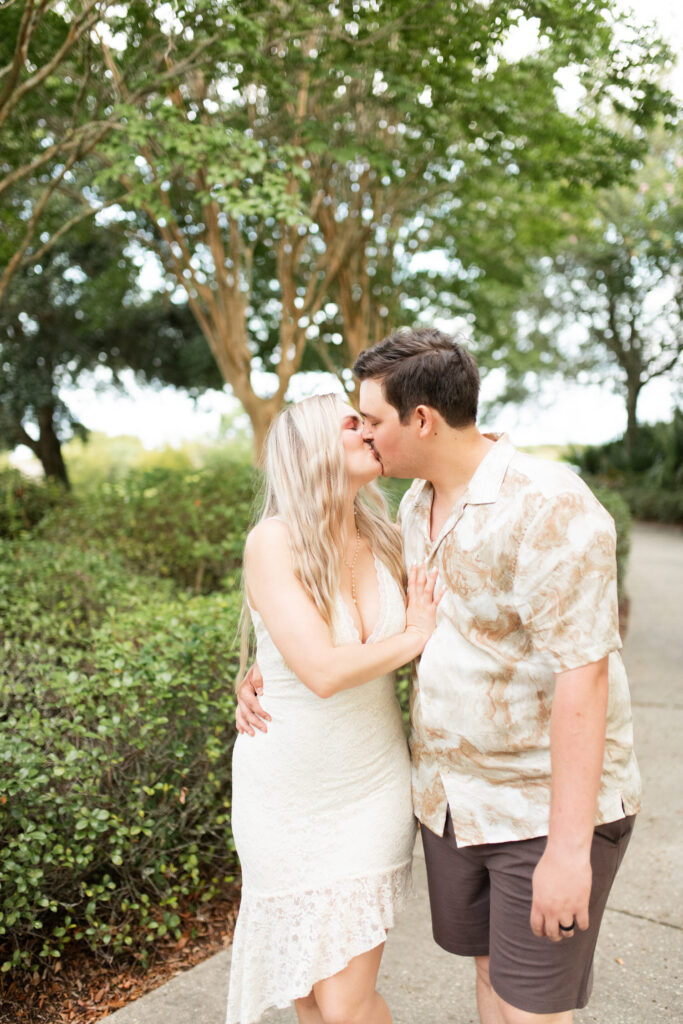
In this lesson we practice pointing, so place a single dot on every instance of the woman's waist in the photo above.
(330, 729)
(288, 688)
(300, 762)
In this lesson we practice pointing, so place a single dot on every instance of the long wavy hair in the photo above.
(305, 485)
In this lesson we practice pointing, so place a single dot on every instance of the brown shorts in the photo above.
(480, 899)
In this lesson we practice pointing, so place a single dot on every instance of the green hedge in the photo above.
(188, 526)
(117, 708)
(652, 503)
(649, 476)
(117, 711)
(619, 510)
(24, 502)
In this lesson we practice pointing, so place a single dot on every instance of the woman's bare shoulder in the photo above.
(270, 536)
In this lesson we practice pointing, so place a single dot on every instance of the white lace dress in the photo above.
(323, 824)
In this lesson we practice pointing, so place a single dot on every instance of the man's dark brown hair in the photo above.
(423, 366)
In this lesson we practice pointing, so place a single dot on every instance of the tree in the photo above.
(57, 103)
(288, 178)
(618, 281)
(77, 310)
(378, 120)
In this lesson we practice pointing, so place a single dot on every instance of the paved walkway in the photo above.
(639, 962)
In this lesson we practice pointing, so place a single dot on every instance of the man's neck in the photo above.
(454, 462)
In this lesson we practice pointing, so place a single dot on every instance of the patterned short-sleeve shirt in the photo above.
(527, 557)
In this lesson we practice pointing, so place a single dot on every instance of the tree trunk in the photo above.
(261, 413)
(633, 389)
(48, 448)
(260, 423)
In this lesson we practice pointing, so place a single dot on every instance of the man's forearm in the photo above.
(577, 747)
(562, 878)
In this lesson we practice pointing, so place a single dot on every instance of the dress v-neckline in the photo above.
(382, 607)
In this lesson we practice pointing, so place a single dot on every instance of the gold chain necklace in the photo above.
(352, 566)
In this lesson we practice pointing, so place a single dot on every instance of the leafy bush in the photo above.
(117, 708)
(101, 458)
(24, 502)
(619, 510)
(650, 477)
(188, 526)
(117, 712)
(652, 503)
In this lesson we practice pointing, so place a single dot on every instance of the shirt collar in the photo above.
(487, 479)
(485, 485)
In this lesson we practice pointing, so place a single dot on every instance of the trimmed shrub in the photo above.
(619, 510)
(187, 526)
(24, 501)
(653, 503)
(650, 478)
(117, 711)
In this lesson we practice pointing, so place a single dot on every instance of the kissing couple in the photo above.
(521, 770)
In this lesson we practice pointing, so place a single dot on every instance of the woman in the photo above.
(322, 811)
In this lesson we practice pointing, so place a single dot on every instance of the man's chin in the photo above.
(378, 461)
(390, 473)
(382, 469)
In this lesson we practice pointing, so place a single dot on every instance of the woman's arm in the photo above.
(300, 633)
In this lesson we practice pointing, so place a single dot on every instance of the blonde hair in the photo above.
(306, 484)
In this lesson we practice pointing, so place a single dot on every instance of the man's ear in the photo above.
(424, 420)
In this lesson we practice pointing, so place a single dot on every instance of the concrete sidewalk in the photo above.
(639, 961)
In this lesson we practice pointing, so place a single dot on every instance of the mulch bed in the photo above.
(81, 987)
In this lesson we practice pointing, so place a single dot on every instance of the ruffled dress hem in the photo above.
(306, 936)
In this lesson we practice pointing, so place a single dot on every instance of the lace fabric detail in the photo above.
(306, 936)
(323, 823)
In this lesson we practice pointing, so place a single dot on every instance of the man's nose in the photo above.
(365, 432)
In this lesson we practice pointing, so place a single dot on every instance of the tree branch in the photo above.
(667, 366)
(26, 29)
(23, 437)
(81, 24)
(67, 225)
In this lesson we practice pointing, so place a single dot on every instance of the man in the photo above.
(524, 778)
